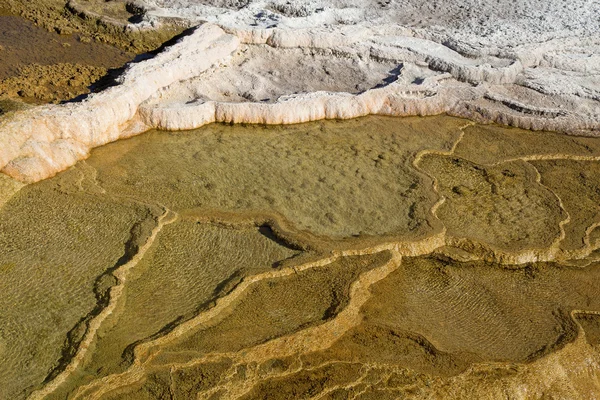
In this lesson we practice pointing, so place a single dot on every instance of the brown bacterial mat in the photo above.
(374, 258)
(37, 65)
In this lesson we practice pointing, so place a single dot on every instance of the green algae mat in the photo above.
(371, 258)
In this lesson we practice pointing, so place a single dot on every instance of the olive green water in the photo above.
(247, 261)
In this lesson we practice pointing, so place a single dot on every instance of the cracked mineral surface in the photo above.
(299, 199)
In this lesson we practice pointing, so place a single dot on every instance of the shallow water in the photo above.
(23, 43)
(377, 255)
(37, 65)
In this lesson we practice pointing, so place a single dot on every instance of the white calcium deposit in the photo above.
(533, 64)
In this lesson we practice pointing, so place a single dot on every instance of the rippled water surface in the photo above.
(373, 257)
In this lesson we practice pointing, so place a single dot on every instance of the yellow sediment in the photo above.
(115, 293)
(147, 354)
(8, 188)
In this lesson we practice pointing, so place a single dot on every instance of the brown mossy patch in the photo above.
(51, 83)
(41, 66)
(372, 344)
(8, 106)
(56, 16)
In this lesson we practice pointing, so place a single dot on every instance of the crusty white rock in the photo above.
(532, 64)
(38, 143)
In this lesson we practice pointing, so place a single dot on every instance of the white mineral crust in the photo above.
(530, 63)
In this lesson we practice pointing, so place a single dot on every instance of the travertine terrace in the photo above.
(530, 64)
(377, 257)
(309, 199)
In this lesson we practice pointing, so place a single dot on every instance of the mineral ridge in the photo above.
(530, 64)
